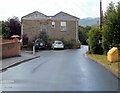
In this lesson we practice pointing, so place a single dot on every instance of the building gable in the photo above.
(62, 15)
(35, 15)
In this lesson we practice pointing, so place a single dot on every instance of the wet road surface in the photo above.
(59, 70)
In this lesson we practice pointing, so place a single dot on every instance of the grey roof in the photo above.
(59, 16)
(63, 15)
(35, 15)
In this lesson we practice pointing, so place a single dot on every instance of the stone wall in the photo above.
(33, 28)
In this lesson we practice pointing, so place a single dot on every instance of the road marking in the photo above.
(8, 87)
(6, 81)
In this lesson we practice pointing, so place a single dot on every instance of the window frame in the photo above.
(63, 26)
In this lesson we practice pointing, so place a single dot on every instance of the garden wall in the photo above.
(9, 48)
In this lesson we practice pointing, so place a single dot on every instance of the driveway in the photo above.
(59, 70)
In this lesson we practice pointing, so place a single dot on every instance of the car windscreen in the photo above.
(39, 41)
(58, 42)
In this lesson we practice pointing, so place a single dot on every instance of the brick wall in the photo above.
(9, 48)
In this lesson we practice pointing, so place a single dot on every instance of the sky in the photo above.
(78, 8)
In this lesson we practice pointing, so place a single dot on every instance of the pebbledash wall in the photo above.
(31, 26)
(9, 48)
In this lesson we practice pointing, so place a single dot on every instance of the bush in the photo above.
(76, 45)
(43, 36)
(93, 41)
(25, 39)
(68, 44)
(72, 44)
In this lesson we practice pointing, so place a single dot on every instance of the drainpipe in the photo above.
(21, 27)
(76, 30)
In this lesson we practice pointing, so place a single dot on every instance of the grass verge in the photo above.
(102, 59)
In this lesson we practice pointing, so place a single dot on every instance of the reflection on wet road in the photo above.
(59, 70)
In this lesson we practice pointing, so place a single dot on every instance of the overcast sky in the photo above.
(78, 8)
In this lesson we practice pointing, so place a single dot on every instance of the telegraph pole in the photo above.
(101, 21)
(101, 24)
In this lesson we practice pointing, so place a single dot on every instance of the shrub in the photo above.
(93, 41)
(76, 45)
(25, 39)
(43, 36)
(68, 44)
(71, 44)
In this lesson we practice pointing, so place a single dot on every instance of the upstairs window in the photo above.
(63, 26)
(53, 24)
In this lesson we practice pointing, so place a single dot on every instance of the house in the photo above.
(61, 25)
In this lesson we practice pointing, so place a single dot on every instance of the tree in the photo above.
(111, 29)
(15, 26)
(5, 30)
(93, 41)
(82, 34)
(110, 8)
(88, 28)
(0, 27)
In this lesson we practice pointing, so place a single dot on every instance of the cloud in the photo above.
(79, 8)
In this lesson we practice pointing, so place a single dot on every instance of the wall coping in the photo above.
(4, 41)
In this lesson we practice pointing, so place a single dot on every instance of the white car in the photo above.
(58, 45)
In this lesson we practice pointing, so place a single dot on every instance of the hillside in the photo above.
(94, 22)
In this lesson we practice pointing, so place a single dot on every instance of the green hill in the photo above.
(94, 22)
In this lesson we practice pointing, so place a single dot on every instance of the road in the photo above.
(59, 70)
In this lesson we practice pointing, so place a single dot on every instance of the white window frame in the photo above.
(63, 26)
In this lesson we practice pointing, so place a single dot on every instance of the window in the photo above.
(43, 28)
(53, 24)
(63, 26)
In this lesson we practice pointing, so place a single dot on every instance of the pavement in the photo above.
(25, 56)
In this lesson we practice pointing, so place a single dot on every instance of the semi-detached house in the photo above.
(61, 25)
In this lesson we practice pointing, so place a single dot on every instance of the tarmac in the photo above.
(24, 56)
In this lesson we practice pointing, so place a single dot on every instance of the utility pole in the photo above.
(101, 21)
(101, 24)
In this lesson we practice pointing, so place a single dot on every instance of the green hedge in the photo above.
(69, 44)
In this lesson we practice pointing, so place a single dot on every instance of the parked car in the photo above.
(40, 44)
(58, 45)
